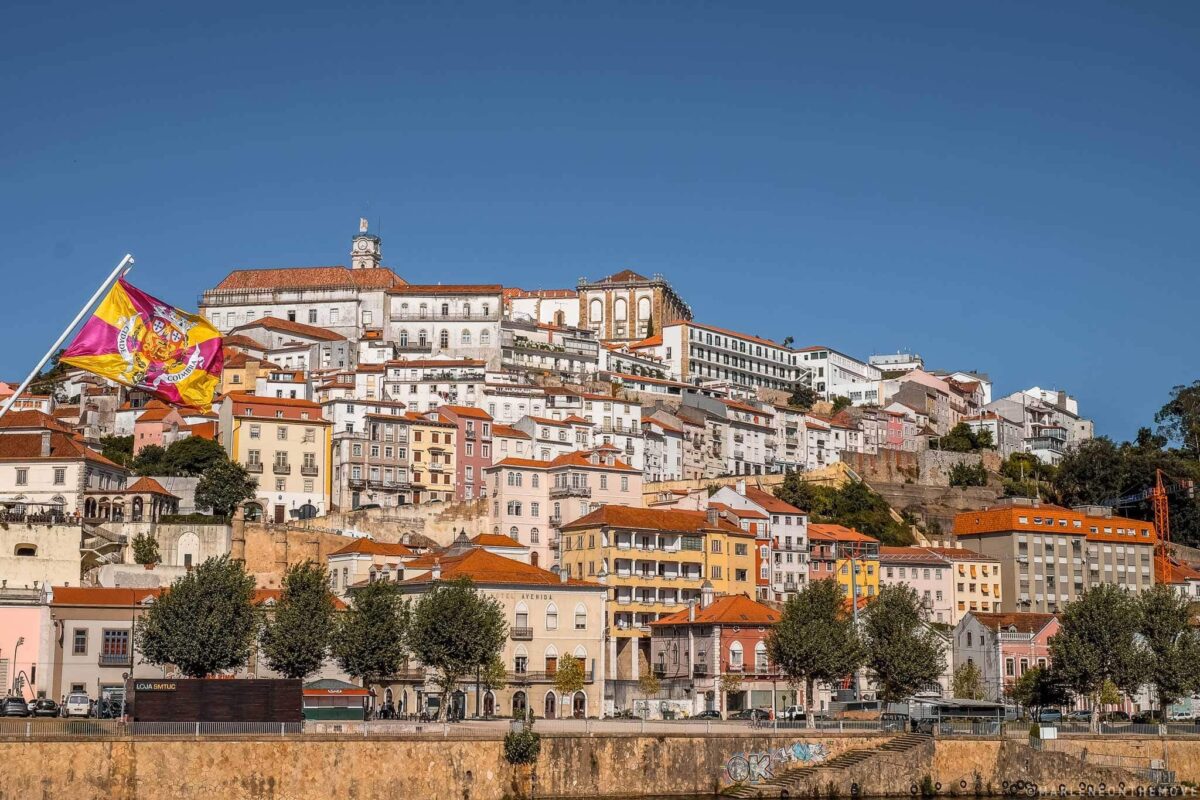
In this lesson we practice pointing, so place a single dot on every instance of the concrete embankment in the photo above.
(570, 766)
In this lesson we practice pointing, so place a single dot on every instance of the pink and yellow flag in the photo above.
(140, 341)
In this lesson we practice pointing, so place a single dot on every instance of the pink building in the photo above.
(1003, 646)
(474, 454)
(25, 642)
(159, 425)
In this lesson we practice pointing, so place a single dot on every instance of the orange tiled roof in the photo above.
(727, 332)
(373, 548)
(508, 432)
(960, 554)
(770, 502)
(496, 540)
(836, 533)
(743, 513)
(487, 568)
(28, 447)
(1002, 519)
(468, 411)
(650, 341)
(34, 419)
(728, 609)
(1174, 572)
(655, 519)
(287, 326)
(204, 430)
(338, 277)
(447, 288)
(624, 276)
(146, 485)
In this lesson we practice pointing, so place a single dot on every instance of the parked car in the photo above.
(752, 713)
(711, 713)
(1147, 718)
(1083, 716)
(792, 713)
(45, 707)
(1115, 717)
(1049, 716)
(78, 705)
(16, 707)
(1181, 716)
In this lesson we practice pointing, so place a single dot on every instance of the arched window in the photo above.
(533, 480)
(444, 339)
(552, 617)
(551, 705)
(466, 310)
(514, 533)
(465, 337)
(404, 338)
(514, 478)
(644, 309)
(580, 617)
(580, 652)
(620, 310)
(596, 313)
(422, 337)
(25, 550)
(760, 657)
(518, 704)
(558, 511)
(560, 319)
(521, 617)
(496, 529)
(534, 536)
(485, 338)
(735, 657)
(551, 659)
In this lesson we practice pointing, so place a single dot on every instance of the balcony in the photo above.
(700, 671)
(541, 677)
(355, 483)
(436, 466)
(522, 634)
(419, 347)
(570, 491)
(309, 471)
(458, 316)
(555, 520)
(281, 469)
(254, 467)
(116, 659)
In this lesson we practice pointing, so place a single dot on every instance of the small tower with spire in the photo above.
(366, 249)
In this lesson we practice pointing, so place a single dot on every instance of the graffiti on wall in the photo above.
(762, 765)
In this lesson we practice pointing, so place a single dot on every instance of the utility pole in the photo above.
(853, 550)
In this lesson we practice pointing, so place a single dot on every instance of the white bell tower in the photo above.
(365, 249)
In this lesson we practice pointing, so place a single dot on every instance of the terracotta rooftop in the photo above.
(146, 485)
(742, 513)
(508, 432)
(33, 420)
(468, 411)
(63, 447)
(769, 502)
(371, 547)
(496, 540)
(1022, 622)
(729, 609)
(654, 519)
(338, 277)
(287, 326)
(836, 533)
(487, 568)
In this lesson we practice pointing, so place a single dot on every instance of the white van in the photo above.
(78, 705)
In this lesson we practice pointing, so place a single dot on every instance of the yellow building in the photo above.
(286, 444)
(431, 449)
(847, 546)
(654, 562)
(242, 371)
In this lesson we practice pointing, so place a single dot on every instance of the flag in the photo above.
(140, 341)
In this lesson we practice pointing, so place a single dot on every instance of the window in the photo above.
(716, 545)
(60, 476)
(535, 509)
(281, 484)
(716, 573)
(22, 476)
(624, 483)
(312, 316)
(281, 432)
(580, 618)
(115, 647)
(444, 339)
(79, 642)
(551, 617)
(735, 656)
(741, 549)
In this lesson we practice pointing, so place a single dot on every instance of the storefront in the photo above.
(333, 699)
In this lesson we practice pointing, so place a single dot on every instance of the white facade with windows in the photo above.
(452, 321)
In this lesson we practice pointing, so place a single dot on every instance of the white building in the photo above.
(445, 321)
(750, 438)
(896, 362)
(836, 374)
(548, 306)
(508, 397)
(425, 384)
(783, 551)
(569, 353)
(664, 449)
(698, 353)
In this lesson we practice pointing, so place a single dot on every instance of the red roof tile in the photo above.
(508, 432)
(296, 328)
(729, 609)
(486, 568)
(338, 277)
(836, 533)
(373, 548)
(654, 519)
(146, 485)
(496, 540)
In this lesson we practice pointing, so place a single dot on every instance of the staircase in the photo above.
(838, 770)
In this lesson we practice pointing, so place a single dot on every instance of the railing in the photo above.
(522, 634)
(281, 469)
(309, 472)
(541, 677)
(700, 671)
(436, 466)
(555, 520)
(254, 467)
(458, 316)
(116, 659)
(570, 491)
(414, 348)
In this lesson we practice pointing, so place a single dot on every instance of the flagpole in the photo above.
(125, 265)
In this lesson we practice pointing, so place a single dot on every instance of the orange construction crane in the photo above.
(1162, 521)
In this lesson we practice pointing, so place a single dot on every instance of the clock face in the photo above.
(362, 245)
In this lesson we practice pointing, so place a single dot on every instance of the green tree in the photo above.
(368, 640)
(963, 439)
(145, 549)
(224, 487)
(205, 623)
(962, 474)
(494, 675)
(802, 398)
(193, 456)
(295, 639)
(648, 685)
(841, 403)
(150, 460)
(569, 676)
(118, 449)
(968, 682)
(1172, 649)
(1038, 688)
(1179, 418)
(730, 683)
(1024, 475)
(1097, 641)
(1110, 695)
(815, 639)
(854, 505)
(454, 630)
(51, 378)
(902, 652)
(788, 341)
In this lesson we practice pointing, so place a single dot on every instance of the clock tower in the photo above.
(365, 249)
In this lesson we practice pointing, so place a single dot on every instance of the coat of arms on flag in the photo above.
(140, 341)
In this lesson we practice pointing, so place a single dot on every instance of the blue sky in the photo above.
(1006, 187)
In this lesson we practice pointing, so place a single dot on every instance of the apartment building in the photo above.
(627, 307)
(567, 353)
(549, 617)
(699, 353)
(550, 306)
(951, 582)
(551, 438)
(654, 562)
(782, 542)
(750, 438)
(445, 321)
(433, 450)
(365, 560)
(833, 374)
(474, 452)
(664, 447)
(840, 547)
(507, 397)
(290, 436)
(295, 345)
(1008, 437)
(426, 383)
(532, 499)
(1059, 552)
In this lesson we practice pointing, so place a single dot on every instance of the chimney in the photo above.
(435, 572)
(706, 594)
(712, 516)
(741, 487)
(45, 444)
(692, 611)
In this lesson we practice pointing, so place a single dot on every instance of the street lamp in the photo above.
(16, 667)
